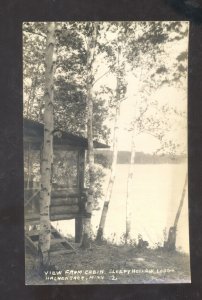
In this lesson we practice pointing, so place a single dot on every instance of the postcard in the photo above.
(105, 152)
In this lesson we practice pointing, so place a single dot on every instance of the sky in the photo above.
(146, 142)
(174, 96)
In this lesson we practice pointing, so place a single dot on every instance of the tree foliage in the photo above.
(144, 55)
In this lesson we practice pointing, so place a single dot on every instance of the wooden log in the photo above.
(81, 168)
(64, 201)
(64, 193)
(55, 210)
(31, 217)
(57, 193)
(60, 217)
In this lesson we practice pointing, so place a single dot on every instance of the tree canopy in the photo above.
(146, 54)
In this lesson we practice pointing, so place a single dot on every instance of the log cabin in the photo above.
(69, 195)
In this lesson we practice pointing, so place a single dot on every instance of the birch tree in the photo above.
(129, 34)
(170, 244)
(47, 153)
(114, 162)
(70, 78)
(119, 45)
(150, 116)
(129, 197)
(91, 51)
(74, 81)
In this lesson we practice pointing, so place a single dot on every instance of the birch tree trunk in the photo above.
(47, 152)
(100, 231)
(170, 244)
(181, 202)
(87, 230)
(129, 198)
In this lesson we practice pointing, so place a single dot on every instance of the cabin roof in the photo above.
(35, 130)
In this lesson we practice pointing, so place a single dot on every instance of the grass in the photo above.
(112, 264)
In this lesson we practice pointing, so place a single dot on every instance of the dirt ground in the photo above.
(111, 264)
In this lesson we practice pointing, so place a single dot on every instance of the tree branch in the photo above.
(142, 113)
(101, 76)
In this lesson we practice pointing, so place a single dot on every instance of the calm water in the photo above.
(156, 195)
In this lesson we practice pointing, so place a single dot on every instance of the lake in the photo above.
(156, 194)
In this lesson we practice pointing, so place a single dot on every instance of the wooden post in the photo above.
(81, 169)
(78, 228)
(78, 219)
(28, 165)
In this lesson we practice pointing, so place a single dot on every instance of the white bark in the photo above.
(181, 203)
(113, 168)
(130, 183)
(47, 153)
(114, 158)
(87, 231)
(170, 244)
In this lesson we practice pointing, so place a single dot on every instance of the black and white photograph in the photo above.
(105, 152)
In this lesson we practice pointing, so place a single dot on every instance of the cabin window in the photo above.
(65, 169)
(65, 165)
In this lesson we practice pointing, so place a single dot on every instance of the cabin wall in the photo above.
(63, 207)
(67, 201)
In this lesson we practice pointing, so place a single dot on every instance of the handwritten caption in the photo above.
(99, 275)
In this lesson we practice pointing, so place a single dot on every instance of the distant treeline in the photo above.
(105, 157)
